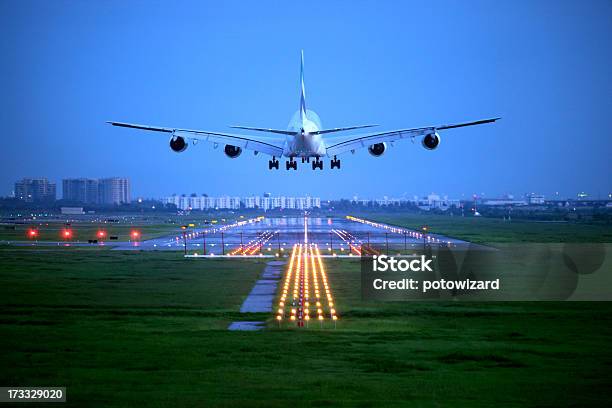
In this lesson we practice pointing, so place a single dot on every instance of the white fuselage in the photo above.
(304, 143)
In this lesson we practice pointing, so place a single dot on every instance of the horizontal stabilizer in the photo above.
(342, 129)
(277, 131)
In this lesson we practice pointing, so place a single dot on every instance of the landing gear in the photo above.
(273, 164)
(291, 164)
(317, 163)
(335, 163)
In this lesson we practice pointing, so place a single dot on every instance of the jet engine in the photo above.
(377, 149)
(232, 151)
(431, 141)
(178, 144)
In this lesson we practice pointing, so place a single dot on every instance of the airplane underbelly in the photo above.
(305, 146)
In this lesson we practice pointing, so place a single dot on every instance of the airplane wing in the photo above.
(356, 142)
(273, 147)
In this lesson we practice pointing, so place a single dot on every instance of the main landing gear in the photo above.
(273, 164)
(291, 164)
(317, 163)
(335, 163)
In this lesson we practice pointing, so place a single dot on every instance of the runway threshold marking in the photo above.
(305, 267)
(254, 245)
(367, 249)
(347, 241)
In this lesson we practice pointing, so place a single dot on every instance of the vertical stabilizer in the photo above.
(302, 90)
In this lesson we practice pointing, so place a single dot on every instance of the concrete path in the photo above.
(261, 297)
(248, 326)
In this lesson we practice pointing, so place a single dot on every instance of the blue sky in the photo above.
(544, 66)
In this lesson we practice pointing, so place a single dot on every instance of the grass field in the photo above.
(83, 231)
(481, 229)
(87, 227)
(127, 329)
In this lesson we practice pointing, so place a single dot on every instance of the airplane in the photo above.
(304, 138)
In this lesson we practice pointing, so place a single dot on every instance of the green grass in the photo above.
(83, 231)
(134, 329)
(481, 229)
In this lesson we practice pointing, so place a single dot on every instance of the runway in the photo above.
(334, 236)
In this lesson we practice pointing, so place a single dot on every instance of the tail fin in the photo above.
(302, 90)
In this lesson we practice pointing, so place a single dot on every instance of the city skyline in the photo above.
(552, 195)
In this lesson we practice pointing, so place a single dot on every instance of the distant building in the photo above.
(535, 199)
(504, 201)
(35, 190)
(252, 202)
(434, 201)
(115, 190)
(81, 190)
(72, 210)
(234, 203)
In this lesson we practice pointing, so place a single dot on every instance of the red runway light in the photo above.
(32, 233)
(67, 234)
(101, 234)
(135, 234)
